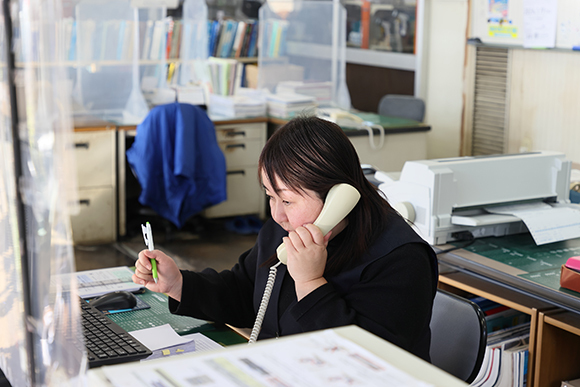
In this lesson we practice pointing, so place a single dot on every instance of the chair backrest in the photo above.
(458, 335)
(403, 106)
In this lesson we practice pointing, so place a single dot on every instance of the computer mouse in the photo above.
(115, 301)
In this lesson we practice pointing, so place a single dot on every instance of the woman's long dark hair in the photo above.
(315, 154)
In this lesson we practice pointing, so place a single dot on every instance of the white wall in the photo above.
(442, 78)
(544, 111)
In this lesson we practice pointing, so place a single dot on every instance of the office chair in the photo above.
(458, 335)
(178, 162)
(402, 106)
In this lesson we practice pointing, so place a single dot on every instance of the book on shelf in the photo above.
(365, 23)
(505, 359)
(226, 75)
(232, 39)
(499, 316)
(274, 41)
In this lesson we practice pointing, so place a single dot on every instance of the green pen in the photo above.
(148, 236)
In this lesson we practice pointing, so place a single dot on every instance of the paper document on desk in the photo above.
(159, 337)
(303, 361)
(547, 223)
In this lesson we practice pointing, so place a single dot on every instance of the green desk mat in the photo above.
(159, 314)
(541, 263)
(388, 122)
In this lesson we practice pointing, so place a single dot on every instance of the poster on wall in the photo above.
(540, 19)
(499, 23)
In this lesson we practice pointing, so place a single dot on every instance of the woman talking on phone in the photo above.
(371, 270)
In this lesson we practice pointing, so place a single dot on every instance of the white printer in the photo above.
(445, 198)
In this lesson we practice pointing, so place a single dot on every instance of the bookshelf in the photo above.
(554, 351)
(118, 58)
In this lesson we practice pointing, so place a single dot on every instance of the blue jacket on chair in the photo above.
(178, 162)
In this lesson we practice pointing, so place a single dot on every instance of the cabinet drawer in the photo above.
(244, 195)
(241, 153)
(96, 222)
(240, 132)
(94, 152)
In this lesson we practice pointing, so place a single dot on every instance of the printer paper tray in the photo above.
(482, 220)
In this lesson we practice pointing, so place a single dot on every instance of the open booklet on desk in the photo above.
(93, 283)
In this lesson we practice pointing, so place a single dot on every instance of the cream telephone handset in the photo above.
(339, 202)
(341, 117)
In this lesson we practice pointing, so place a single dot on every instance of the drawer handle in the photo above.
(235, 146)
(238, 172)
(232, 134)
(82, 145)
(86, 202)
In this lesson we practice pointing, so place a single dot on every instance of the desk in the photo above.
(241, 140)
(392, 354)
(405, 140)
(513, 271)
(158, 314)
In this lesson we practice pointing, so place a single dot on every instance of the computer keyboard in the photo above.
(106, 342)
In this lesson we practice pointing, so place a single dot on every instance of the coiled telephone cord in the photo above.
(264, 303)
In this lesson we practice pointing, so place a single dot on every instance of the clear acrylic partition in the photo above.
(381, 25)
(193, 55)
(303, 47)
(39, 308)
(103, 50)
(152, 47)
(13, 337)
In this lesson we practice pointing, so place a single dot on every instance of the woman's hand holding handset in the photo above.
(304, 249)
(306, 252)
(170, 279)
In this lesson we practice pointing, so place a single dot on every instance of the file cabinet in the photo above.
(96, 221)
(241, 143)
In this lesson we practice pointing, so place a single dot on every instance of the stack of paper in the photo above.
(289, 105)
(236, 106)
(193, 94)
(163, 341)
(322, 91)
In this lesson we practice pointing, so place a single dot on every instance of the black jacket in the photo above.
(390, 293)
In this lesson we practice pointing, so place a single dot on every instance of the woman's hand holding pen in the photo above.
(170, 279)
